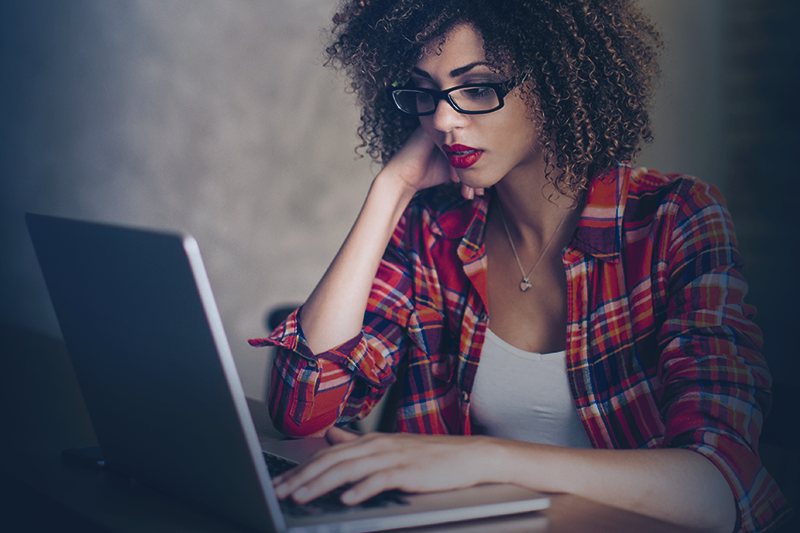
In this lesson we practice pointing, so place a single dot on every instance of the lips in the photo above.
(461, 156)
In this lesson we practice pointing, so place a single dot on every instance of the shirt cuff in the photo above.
(354, 354)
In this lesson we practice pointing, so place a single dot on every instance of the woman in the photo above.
(504, 216)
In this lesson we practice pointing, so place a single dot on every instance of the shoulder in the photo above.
(648, 190)
(626, 204)
(680, 220)
(655, 197)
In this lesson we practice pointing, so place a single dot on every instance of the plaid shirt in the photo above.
(661, 349)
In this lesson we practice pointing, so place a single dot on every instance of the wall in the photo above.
(213, 117)
(217, 117)
(761, 135)
(687, 111)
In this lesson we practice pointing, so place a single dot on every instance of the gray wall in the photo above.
(213, 117)
(687, 112)
(217, 117)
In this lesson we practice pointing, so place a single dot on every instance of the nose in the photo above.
(445, 118)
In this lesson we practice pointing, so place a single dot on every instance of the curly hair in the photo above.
(589, 67)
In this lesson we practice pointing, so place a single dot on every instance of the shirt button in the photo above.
(312, 364)
(464, 396)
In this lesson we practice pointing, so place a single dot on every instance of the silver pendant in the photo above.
(524, 285)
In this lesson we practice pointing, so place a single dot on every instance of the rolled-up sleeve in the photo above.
(311, 392)
(716, 383)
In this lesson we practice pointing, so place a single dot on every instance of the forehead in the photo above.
(460, 46)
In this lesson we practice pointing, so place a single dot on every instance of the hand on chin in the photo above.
(466, 191)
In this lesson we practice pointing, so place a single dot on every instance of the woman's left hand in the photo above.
(376, 462)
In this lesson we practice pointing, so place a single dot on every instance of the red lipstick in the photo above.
(461, 156)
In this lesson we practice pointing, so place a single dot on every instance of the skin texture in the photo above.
(671, 484)
(507, 137)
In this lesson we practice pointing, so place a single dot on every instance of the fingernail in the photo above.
(348, 496)
(300, 493)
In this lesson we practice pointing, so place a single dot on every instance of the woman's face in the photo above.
(483, 149)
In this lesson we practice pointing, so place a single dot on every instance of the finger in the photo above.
(371, 486)
(467, 192)
(380, 467)
(479, 191)
(338, 436)
(290, 482)
(321, 462)
(340, 464)
(453, 175)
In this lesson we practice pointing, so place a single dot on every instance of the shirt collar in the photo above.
(457, 218)
(599, 231)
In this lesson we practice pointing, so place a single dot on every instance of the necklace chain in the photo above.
(525, 284)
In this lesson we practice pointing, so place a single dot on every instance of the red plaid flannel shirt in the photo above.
(661, 349)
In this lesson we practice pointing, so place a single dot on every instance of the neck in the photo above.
(532, 213)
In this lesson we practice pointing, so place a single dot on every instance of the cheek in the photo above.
(521, 119)
(508, 135)
(527, 135)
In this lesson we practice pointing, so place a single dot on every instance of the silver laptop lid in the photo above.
(152, 360)
(143, 332)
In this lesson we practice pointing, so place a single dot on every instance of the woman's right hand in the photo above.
(421, 164)
(334, 312)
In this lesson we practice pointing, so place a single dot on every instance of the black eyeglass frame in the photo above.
(501, 89)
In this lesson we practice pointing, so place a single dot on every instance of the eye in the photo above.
(478, 93)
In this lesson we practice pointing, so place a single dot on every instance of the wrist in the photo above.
(495, 459)
(393, 184)
(535, 466)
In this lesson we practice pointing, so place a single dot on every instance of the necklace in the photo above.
(525, 284)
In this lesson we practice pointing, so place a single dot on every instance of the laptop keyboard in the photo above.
(277, 465)
(329, 503)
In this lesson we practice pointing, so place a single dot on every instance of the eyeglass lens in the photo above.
(466, 99)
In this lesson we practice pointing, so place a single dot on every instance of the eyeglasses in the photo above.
(473, 99)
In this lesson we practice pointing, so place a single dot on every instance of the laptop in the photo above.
(156, 372)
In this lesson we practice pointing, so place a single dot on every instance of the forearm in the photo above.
(334, 312)
(675, 485)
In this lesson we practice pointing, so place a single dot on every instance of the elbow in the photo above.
(717, 524)
(726, 518)
(705, 501)
(720, 514)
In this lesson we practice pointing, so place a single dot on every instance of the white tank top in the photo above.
(524, 396)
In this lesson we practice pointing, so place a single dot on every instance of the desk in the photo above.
(42, 412)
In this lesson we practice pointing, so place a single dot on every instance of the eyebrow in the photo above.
(453, 73)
